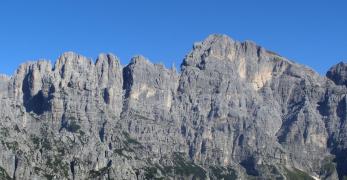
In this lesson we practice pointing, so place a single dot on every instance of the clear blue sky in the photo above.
(311, 32)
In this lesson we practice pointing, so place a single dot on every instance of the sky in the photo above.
(310, 32)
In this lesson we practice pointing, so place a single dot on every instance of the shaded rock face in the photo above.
(338, 74)
(235, 111)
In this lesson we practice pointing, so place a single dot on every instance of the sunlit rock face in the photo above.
(234, 111)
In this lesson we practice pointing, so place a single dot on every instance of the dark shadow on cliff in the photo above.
(341, 162)
(37, 103)
(249, 166)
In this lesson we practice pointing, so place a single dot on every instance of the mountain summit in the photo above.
(235, 111)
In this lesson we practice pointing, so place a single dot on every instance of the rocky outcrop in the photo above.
(234, 111)
(338, 74)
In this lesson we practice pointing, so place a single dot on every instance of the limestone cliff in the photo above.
(234, 111)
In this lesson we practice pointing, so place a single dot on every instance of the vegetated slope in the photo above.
(234, 111)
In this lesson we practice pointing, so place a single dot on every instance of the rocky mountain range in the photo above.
(234, 111)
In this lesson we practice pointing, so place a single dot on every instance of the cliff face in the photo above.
(235, 111)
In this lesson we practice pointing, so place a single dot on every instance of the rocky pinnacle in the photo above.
(234, 111)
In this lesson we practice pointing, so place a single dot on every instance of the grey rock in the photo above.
(3, 84)
(338, 74)
(234, 111)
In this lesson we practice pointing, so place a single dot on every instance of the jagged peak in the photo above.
(341, 63)
(222, 43)
(72, 58)
(219, 45)
(212, 40)
(222, 47)
(32, 63)
(107, 58)
(217, 38)
(41, 65)
(139, 59)
(338, 73)
(70, 54)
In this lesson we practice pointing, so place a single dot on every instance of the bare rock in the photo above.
(234, 111)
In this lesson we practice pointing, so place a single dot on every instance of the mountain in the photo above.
(234, 111)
